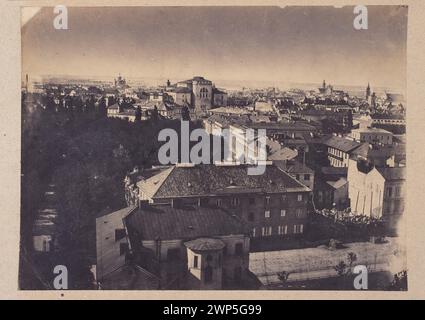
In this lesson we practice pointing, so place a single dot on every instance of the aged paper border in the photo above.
(10, 121)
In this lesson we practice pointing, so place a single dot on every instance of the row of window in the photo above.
(281, 230)
(299, 213)
(235, 202)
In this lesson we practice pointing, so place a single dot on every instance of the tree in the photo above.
(155, 114)
(185, 113)
(341, 268)
(138, 116)
(283, 276)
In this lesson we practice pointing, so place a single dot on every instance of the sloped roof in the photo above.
(203, 180)
(205, 244)
(283, 154)
(337, 184)
(167, 223)
(341, 144)
(106, 246)
(150, 186)
(294, 167)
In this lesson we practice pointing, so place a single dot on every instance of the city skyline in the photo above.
(265, 44)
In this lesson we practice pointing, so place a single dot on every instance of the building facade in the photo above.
(271, 204)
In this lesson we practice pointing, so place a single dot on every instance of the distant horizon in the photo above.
(249, 84)
(240, 44)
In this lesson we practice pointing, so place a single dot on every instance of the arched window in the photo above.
(204, 93)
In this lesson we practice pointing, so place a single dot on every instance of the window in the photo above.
(300, 197)
(282, 212)
(219, 202)
(234, 202)
(45, 245)
(307, 177)
(195, 261)
(298, 228)
(299, 213)
(297, 176)
(251, 200)
(253, 233)
(219, 260)
(238, 249)
(267, 200)
(123, 248)
(119, 234)
(266, 231)
(282, 230)
(267, 214)
(251, 216)
(390, 192)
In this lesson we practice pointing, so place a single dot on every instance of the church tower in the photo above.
(368, 91)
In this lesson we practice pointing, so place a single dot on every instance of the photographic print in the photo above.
(213, 148)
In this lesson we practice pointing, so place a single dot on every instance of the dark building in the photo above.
(272, 204)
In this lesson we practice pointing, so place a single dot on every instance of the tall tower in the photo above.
(368, 91)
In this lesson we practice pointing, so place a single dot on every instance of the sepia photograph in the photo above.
(213, 148)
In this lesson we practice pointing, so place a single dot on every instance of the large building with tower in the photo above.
(197, 93)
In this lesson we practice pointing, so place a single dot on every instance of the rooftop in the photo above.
(342, 144)
(203, 180)
(184, 223)
(106, 246)
(205, 244)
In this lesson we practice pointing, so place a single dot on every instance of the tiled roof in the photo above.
(283, 154)
(186, 223)
(151, 185)
(205, 244)
(294, 167)
(202, 180)
(300, 126)
(342, 144)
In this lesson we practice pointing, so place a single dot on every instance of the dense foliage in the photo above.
(86, 156)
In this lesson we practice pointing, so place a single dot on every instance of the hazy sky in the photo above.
(296, 44)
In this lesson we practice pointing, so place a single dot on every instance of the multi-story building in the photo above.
(388, 119)
(272, 204)
(169, 247)
(377, 191)
(339, 150)
(198, 93)
(372, 135)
